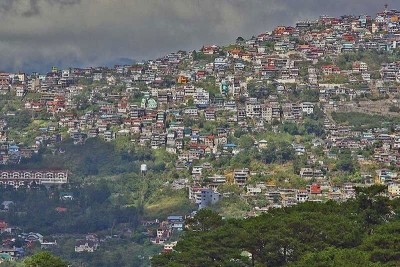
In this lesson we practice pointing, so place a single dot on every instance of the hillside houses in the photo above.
(197, 105)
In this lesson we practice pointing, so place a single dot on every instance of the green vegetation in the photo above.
(167, 202)
(40, 259)
(336, 79)
(132, 251)
(260, 89)
(394, 108)
(333, 257)
(209, 84)
(200, 56)
(20, 120)
(345, 161)
(360, 232)
(373, 58)
(91, 210)
(44, 259)
(110, 197)
(232, 206)
(279, 152)
(309, 126)
(361, 121)
(309, 95)
(97, 158)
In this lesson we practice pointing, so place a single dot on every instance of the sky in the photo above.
(38, 34)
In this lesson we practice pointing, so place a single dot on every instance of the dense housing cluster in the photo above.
(303, 113)
(220, 101)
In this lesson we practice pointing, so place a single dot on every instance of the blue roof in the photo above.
(202, 105)
(175, 217)
(230, 145)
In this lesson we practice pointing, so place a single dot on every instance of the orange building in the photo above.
(279, 30)
(182, 79)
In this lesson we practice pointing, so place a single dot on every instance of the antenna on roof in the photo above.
(386, 6)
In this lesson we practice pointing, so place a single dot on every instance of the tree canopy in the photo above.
(44, 259)
(360, 232)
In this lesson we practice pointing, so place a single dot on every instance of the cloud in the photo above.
(28, 8)
(36, 34)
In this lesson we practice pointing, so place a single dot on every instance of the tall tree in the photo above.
(44, 259)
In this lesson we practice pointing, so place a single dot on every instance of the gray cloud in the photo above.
(33, 8)
(28, 8)
(36, 34)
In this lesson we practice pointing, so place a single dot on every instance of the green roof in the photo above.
(5, 256)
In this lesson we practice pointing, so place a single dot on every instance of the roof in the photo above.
(5, 256)
(230, 145)
(83, 242)
(175, 217)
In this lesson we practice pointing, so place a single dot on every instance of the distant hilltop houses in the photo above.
(197, 105)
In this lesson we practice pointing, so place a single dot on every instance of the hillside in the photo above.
(361, 232)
